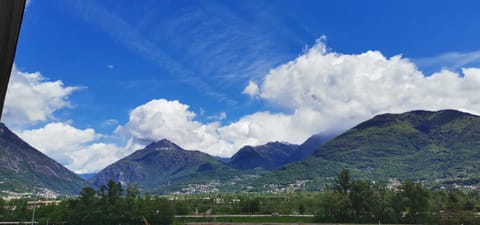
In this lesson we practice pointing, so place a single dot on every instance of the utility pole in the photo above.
(248, 199)
(34, 206)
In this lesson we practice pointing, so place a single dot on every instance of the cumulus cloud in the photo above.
(341, 90)
(96, 156)
(251, 89)
(75, 148)
(162, 118)
(262, 127)
(324, 92)
(33, 98)
(71, 137)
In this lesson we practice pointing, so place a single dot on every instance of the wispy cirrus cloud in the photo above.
(449, 60)
(129, 35)
(220, 116)
(196, 48)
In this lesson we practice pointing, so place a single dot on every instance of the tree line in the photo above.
(362, 201)
(110, 205)
(347, 200)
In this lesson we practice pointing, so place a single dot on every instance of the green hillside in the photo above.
(435, 147)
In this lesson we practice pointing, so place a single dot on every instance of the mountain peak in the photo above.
(417, 118)
(159, 164)
(268, 156)
(427, 113)
(276, 143)
(163, 144)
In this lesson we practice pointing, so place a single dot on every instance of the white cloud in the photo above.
(67, 138)
(450, 60)
(251, 89)
(110, 66)
(33, 98)
(161, 118)
(341, 90)
(96, 156)
(220, 116)
(323, 91)
(74, 148)
(260, 128)
(110, 123)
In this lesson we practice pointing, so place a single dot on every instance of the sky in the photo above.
(93, 81)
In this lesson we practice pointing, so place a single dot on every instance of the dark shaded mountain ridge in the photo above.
(158, 164)
(269, 156)
(24, 168)
(273, 155)
(163, 165)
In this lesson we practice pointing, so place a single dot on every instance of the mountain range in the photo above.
(164, 166)
(273, 155)
(159, 164)
(437, 148)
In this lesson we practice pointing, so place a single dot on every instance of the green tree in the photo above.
(3, 210)
(334, 208)
(181, 208)
(251, 205)
(85, 209)
(61, 213)
(361, 198)
(382, 210)
(21, 212)
(343, 182)
(414, 198)
(111, 203)
(88, 207)
(159, 211)
(301, 208)
(131, 213)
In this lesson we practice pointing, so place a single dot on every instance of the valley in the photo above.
(414, 167)
(438, 149)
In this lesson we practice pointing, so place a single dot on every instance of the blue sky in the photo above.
(216, 75)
